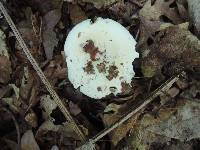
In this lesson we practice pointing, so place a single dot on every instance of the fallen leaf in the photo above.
(175, 48)
(28, 141)
(5, 64)
(112, 108)
(13, 100)
(65, 130)
(11, 144)
(48, 105)
(31, 119)
(182, 84)
(182, 10)
(50, 39)
(28, 89)
(51, 18)
(120, 132)
(5, 69)
(74, 108)
(152, 16)
(56, 69)
(100, 3)
(194, 13)
(192, 92)
(170, 94)
(45, 6)
(76, 14)
(3, 46)
(157, 9)
(184, 125)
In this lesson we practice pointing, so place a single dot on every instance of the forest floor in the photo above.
(167, 34)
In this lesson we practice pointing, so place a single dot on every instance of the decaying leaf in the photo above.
(194, 11)
(29, 85)
(175, 122)
(171, 93)
(45, 6)
(122, 130)
(152, 16)
(184, 125)
(74, 108)
(65, 130)
(56, 70)
(112, 108)
(175, 47)
(5, 64)
(31, 119)
(76, 14)
(13, 100)
(48, 105)
(192, 92)
(155, 10)
(5, 69)
(49, 35)
(3, 46)
(100, 3)
(28, 141)
(49, 41)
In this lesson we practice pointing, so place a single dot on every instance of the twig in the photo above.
(165, 86)
(16, 126)
(35, 65)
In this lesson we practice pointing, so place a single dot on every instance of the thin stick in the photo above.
(35, 65)
(165, 86)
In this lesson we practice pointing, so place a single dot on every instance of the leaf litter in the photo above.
(167, 33)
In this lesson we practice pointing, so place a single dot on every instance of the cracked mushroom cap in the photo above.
(99, 57)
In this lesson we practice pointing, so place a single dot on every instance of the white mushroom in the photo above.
(99, 57)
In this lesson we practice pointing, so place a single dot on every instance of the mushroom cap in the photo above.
(99, 57)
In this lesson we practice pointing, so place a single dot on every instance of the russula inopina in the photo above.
(99, 57)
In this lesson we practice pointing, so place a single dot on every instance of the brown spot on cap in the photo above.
(89, 68)
(91, 49)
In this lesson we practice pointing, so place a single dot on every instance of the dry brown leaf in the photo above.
(194, 11)
(5, 69)
(170, 94)
(152, 16)
(100, 3)
(50, 39)
(183, 125)
(56, 69)
(183, 11)
(153, 12)
(28, 141)
(5, 64)
(76, 14)
(74, 108)
(175, 48)
(45, 6)
(120, 132)
(192, 93)
(31, 119)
